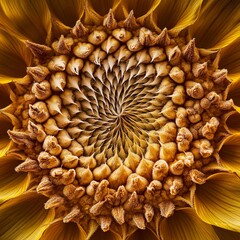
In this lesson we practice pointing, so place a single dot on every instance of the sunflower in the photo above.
(120, 119)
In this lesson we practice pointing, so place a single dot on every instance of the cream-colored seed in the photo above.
(54, 105)
(51, 145)
(122, 34)
(101, 172)
(51, 127)
(132, 160)
(58, 81)
(36, 131)
(87, 162)
(58, 63)
(168, 151)
(39, 112)
(157, 54)
(83, 50)
(110, 45)
(47, 161)
(38, 73)
(162, 69)
(174, 54)
(168, 132)
(64, 139)
(144, 168)
(119, 176)
(134, 45)
(84, 175)
(41, 90)
(136, 183)
(97, 37)
(178, 96)
(160, 170)
(74, 66)
(177, 75)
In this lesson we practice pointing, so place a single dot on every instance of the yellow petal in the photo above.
(14, 58)
(24, 217)
(5, 142)
(5, 95)
(29, 19)
(217, 201)
(234, 92)
(176, 15)
(218, 24)
(232, 122)
(94, 12)
(184, 224)
(224, 234)
(230, 153)
(229, 59)
(67, 11)
(62, 231)
(12, 184)
(141, 8)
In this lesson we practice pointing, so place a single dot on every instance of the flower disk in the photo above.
(119, 122)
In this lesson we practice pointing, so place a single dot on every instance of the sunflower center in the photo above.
(118, 122)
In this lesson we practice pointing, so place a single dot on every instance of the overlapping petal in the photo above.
(12, 184)
(218, 24)
(14, 58)
(5, 95)
(5, 142)
(217, 201)
(93, 12)
(229, 59)
(186, 225)
(142, 9)
(59, 8)
(62, 231)
(185, 13)
(232, 122)
(24, 217)
(224, 234)
(234, 93)
(27, 19)
(230, 153)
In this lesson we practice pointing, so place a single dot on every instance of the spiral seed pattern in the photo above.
(119, 122)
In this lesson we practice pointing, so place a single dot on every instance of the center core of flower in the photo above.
(119, 122)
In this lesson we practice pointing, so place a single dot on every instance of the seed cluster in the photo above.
(118, 122)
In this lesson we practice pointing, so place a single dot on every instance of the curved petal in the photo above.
(230, 153)
(74, 10)
(26, 18)
(218, 24)
(62, 231)
(94, 12)
(5, 142)
(184, 224)
(5, 95)
(229, 59)
(24, 217)
(224, 234)
(217, 201)
(12, 184)
(141, 8)
(234, 92)
(232, 122)
(176, 15)
(14, 58)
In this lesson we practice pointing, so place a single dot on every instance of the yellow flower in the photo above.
(119, 119)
